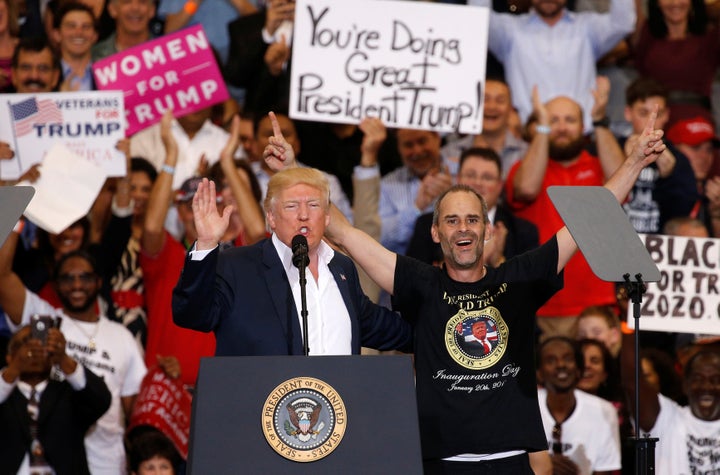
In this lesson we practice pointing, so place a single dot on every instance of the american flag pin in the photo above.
(342, 276)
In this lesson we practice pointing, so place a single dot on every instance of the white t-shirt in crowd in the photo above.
(590, 436)
(687, 445)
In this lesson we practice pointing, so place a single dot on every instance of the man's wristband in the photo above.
(19, 226)
(604, 122)
(542, 129)
(190, 7)
(169, 169)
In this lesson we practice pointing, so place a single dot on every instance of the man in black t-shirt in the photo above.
(444, 303)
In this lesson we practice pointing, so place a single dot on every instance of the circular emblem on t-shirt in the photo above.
(304, 419)
(476, 339)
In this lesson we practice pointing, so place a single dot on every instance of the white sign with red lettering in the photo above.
(88, 123)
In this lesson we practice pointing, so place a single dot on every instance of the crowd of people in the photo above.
(446, 246)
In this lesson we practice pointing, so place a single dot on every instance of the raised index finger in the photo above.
(275, 125)
(650, 126)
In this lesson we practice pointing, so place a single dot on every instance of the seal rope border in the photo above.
(275, 402)
(459, 356)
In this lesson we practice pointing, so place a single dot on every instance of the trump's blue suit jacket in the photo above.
(243, 295)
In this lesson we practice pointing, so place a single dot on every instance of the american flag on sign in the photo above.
(31, 111)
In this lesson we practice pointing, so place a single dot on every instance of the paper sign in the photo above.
(164, 404)
(65, 191)
(176, 71)
(412, 64)
(687, 297)
(89, 123)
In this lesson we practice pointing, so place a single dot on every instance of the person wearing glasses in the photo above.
(103, 346)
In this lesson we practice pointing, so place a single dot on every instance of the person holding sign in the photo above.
(35, 66)
(132, 27)
(443, 302)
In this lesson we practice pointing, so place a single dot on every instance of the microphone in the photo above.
(299, 248)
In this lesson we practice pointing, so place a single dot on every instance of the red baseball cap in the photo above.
(693, 132)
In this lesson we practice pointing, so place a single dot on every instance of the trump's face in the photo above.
(299, 209)
(479, 330)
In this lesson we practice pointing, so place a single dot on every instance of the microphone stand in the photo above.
(303, 307)
(644, 446)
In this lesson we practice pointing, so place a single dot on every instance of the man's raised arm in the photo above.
(375, 260)
(648, 147)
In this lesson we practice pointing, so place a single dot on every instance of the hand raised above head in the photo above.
(166, 135)
(649, 145)
(278, 154)
(210, 226)
(375, 134)
(233, 141)
(601, 97)
(539, 109)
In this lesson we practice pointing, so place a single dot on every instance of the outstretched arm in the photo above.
(609, 152)
(646, 150)
(248, 208)
(378, 262)
(153, 236)
(527, 183)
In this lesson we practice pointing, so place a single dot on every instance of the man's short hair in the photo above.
(82, 254)
(603, 311)
(483, 152)
(459, 189)
(295, 176)
(673, 225)
(643, 89)
(708, 352)
(34, 44)
(579, 358)
(73, 6)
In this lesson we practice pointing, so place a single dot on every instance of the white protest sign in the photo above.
(412, 64)
(89, 123)
(65, 191)
(687, 297)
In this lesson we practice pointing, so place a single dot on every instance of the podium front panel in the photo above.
(379, 421)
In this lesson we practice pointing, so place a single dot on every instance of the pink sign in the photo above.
(176, 71)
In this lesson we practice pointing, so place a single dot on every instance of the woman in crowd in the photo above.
(679, 30)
